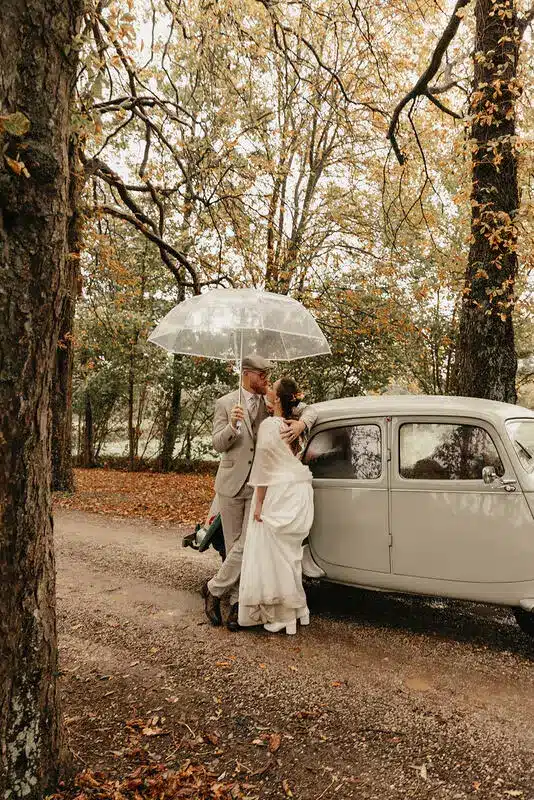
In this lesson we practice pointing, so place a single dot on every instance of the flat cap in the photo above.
(257, 363)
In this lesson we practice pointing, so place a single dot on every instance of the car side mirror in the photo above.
(489, 474)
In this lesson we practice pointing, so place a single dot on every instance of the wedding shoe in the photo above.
(276, 627)
(303, 616)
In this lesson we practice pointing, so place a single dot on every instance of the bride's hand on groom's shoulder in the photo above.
(292, 430)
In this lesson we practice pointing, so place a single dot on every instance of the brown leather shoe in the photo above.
(231, 623)
(212, 606)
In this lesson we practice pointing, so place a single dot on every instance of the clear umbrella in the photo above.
(225, 323)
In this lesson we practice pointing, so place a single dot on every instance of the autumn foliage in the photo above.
(165, 498)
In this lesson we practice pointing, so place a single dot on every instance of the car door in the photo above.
(446, 523)
(348, 460)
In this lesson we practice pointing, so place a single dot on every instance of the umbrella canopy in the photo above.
(227, 323)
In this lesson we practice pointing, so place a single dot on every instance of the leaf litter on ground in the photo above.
(155, 782)
(182, 498)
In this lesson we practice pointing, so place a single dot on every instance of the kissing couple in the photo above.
(265, 500)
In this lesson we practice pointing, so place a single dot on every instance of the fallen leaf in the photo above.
(422, 770)
(337, 684)
(308, 714)
(286, 788)
(212, 738)
(275, 740)
(154, 732)
(135, 723)
(258, 742)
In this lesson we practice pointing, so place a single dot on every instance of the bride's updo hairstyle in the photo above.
(288, 395)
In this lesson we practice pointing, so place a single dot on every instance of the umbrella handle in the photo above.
(241, 370)
(239, 365)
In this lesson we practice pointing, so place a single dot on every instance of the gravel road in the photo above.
(381, 697)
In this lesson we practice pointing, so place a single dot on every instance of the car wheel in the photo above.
(525, 620)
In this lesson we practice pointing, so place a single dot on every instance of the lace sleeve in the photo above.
(271, 453)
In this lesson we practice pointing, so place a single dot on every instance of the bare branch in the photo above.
(164, 247)
(445, 109)
(287, 30)
(421, 87)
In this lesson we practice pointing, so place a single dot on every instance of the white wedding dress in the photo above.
(271, 574)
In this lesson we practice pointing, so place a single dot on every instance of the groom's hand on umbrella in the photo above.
(294, 428)
(236, 415)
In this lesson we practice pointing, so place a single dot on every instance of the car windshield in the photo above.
(521, 432)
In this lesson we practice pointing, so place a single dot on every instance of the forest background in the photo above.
(245, 144)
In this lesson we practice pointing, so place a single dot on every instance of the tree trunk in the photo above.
(131, 398)
(62, 472)
(79, 443)
(37, 70)
(88, 452)
(171, 430)
(175, 396)
(486, 361)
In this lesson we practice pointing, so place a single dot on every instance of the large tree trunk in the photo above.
(37, 69)
(486, 360)
(62, 472)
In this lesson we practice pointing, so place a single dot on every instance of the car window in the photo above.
(354, 451)
(445, 451)
(521, 432)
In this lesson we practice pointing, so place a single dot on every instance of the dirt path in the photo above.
(380, 697)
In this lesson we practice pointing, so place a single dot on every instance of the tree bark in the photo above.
(486, 360)
(173, 418)
(62, 471)
(37, 72)
(131, 428)
(88, 451)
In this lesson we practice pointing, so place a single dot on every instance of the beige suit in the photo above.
(235, 496)
(237, 447)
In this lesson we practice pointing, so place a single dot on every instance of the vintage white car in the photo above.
(426, 495)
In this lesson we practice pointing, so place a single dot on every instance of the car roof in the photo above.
(418, 404)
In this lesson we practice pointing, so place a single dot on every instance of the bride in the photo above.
(281, 516)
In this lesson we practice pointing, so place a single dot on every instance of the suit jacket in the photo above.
(238, 447)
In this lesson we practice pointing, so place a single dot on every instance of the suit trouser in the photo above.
(234, 514)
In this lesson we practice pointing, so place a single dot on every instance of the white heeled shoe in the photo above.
(303, 616)
(276, 627)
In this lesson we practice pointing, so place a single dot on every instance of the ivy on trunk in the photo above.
(486, 361)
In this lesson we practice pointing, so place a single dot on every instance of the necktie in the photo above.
(253, 405)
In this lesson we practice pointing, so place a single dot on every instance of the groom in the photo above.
(235, 430)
